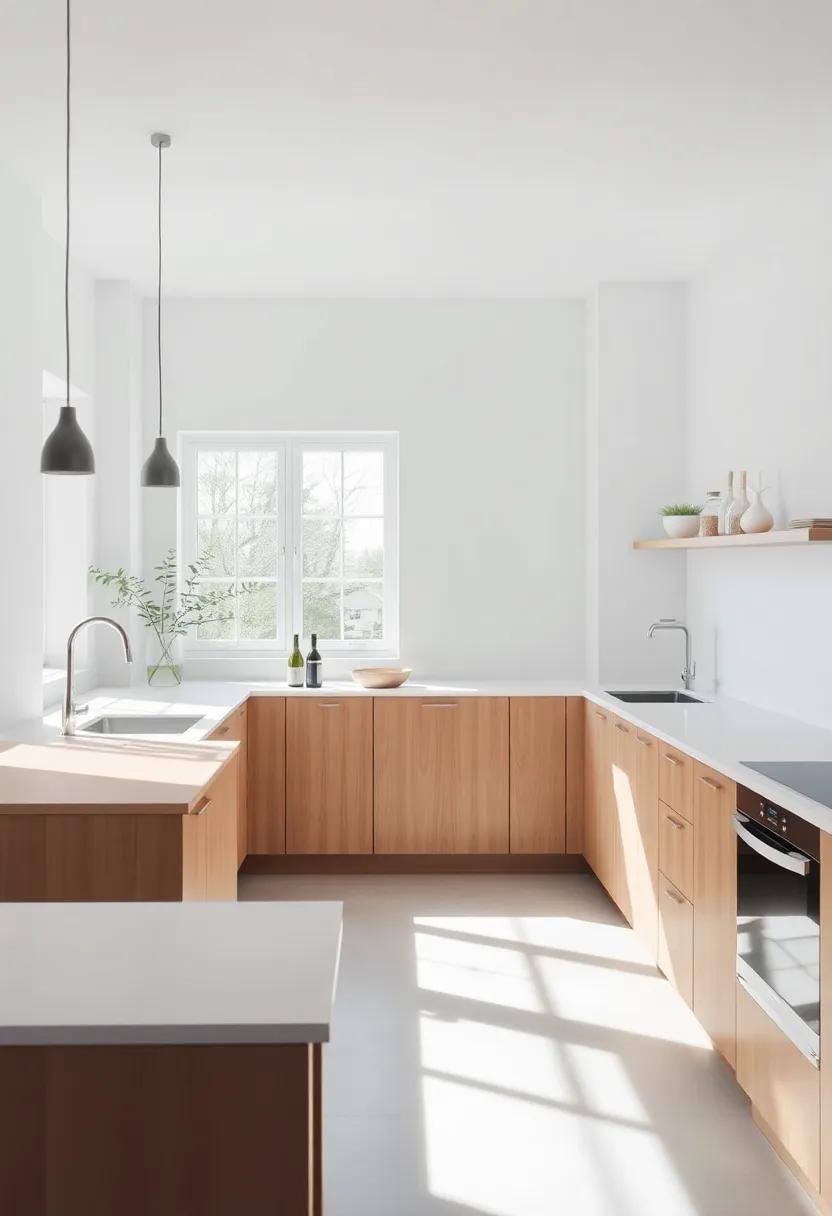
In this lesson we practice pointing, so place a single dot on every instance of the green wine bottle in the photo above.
(295, 672)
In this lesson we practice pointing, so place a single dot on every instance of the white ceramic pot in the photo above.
(679, 526)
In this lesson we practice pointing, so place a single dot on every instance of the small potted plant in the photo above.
(169, 615)
(681, 519)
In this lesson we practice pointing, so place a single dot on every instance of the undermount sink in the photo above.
(140, 724)
(660, 696)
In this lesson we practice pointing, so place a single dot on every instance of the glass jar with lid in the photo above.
(709, 515)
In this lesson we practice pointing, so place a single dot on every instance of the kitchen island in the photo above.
(164, 1058)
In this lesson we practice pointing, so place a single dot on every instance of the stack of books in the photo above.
(815, 521)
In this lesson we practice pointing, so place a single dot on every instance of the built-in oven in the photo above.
(778, 916)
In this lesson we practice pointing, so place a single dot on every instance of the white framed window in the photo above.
(309, 523)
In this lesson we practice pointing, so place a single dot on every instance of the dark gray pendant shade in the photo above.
(67, 449)
(160, 469)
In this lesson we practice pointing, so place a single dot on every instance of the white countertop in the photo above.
(721, 732)
(131, 973)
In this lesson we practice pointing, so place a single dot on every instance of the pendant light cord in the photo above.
(66, 254)
(159, 293)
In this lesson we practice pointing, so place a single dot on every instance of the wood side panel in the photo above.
(826, 1016)
(194, 857)
(781, 1083)
(267, 775)
(575, 782)
(220, 818)
(23, 858)
(646, 895)
(537, 786)
(441, 775)
(176, 1131)
(235, 729)
(329, 775)
(625, 867)
(676, 850)
(715, 908)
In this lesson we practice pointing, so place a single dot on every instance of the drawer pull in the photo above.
(439, 705)
(680, 827)
(674, 760)
(222, 730)
(674, 895)
(644, 742)
(330, 704)
(201, 807)
(712, 785)
(625, 730)
(598, 714)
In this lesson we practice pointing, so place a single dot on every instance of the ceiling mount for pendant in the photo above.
(160, 470)
(67, 449)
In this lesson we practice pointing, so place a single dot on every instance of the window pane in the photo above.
(257, 548)
(257, 483)
(363, 483)
(216, 542)
(257, 608)
(364, 548)
(363, 610)
(321, 483)
(221, 626)
(216, 484)
(321, 548)
(321, 609)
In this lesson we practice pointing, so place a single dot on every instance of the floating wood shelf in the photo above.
(790, 536)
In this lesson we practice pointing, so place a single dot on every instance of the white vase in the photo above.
(679, 526)
(757, 518)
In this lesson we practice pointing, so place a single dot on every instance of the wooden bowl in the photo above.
(381, 677)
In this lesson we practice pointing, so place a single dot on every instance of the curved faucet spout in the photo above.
(671, 623)
(70, 709)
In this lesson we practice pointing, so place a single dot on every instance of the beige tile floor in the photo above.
(501, 1047)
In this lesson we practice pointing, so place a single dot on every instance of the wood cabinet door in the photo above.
(537, 788)
(598, 836)
(235, 729)
(625, 840)
(266, 809)
(715, 907)
(675, 947)
(329, 775)
(643, 853)
(209, 840)
(441, 775)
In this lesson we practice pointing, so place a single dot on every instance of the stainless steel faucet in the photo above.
(70, 710)
(669, 623)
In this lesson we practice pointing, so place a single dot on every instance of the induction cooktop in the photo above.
(812, 778)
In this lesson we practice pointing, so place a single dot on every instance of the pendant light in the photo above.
(67, 449)
(160, 469)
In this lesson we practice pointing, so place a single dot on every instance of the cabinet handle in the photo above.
(644, 742)
(712, 785)
(330, 705)
(674, 760)
(222, 730)
(680, 827)
(677, 899)
(625, 730)
(598, 714)
(201, 807)
(439, 704)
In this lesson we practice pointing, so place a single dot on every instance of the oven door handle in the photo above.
(797, 863)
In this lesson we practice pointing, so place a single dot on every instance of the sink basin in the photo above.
(659, 696)
(140, 724)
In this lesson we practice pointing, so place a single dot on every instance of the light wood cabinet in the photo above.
(623, 824)
(441, 775)
(676, 850)
(676, 781)
(209, 840)
(715, 907)
(266, 775)
(643, 848)
(329, 775)
(235, 729)
(675, 951)
(784, 1087)
(537, 784)
(598, 839)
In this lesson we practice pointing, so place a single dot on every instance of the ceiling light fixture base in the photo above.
(160, 140)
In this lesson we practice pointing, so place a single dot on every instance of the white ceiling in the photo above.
(420, 147)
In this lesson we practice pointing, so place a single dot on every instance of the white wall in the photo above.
(21, 615)
(761, 357)
(636, 413)
(488, 400)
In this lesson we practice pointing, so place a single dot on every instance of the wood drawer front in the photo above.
(329, 775)
(783, 1086)
(676, 850)
(441, 768)
(676, 938)
(676, 781)
(233, 729)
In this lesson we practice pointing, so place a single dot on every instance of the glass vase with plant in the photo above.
(167, 612)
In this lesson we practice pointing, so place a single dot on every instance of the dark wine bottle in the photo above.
(314, 672)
